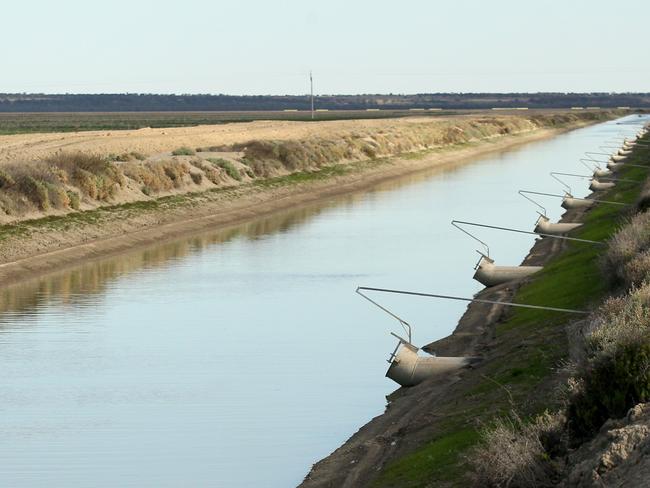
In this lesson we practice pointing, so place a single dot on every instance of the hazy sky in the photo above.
(353, 46)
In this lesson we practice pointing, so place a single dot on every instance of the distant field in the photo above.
(22, 123)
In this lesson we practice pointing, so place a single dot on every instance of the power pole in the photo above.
(311, 83)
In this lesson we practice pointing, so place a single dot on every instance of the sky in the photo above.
(256, 47)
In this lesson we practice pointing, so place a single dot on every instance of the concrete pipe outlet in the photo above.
(407, 368)
(488, 274)
(569, 202)
(545, 226)
(615, 166)
(600, 185)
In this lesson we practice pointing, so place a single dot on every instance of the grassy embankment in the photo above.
(528, 353)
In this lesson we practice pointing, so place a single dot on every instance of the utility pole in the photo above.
(311, 83)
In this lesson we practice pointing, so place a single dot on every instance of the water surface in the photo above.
(238, 358)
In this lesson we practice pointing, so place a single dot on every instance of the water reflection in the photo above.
(78, 286)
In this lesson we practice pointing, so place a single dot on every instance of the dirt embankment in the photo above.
(97, 205)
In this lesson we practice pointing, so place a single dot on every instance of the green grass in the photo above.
(437, 460)
(531, 345)
(183, 151)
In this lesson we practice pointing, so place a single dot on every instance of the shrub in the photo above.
(619, 321)
(8, 203)
(36, 191)
(58, 196)
(609, 387)
(75, 201)
(625, 247)
(227, 166)
(6, 180)
(157, 176)
(139, 156)
(515, 453)
(174, 173)
(120, 157)
(96, 176)
(184, 151)
(197, 178)
(615, 375)
(85, 180)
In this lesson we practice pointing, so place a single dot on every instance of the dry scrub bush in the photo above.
(616, 373)
(213, 175)
(75, 200)
(643, 202)
(58, 196)
(157, 176)
(227, 166)
(518, 454)
(619, 321)
(267, 157)
(183, 151)
(627, 260)
(124, 157)
(96, 176)
(35, 190)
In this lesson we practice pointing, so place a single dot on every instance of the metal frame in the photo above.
(405, 325)
(487, 248)
(519, 231)
(464, 299)
(523, 194)
(596, 166)
(592, 177)
(609, 155)
(568, 195)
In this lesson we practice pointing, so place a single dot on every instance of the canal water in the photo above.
(239, 358)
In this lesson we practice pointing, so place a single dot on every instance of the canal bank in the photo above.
(428, 433)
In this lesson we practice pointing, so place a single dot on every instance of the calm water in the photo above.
(239, 358)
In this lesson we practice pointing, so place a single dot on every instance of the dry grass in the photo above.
(159, 176)
(627, 260)
(227, 166)
(214, 175)
(96, 176)
(619, 321)
(518, 454)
